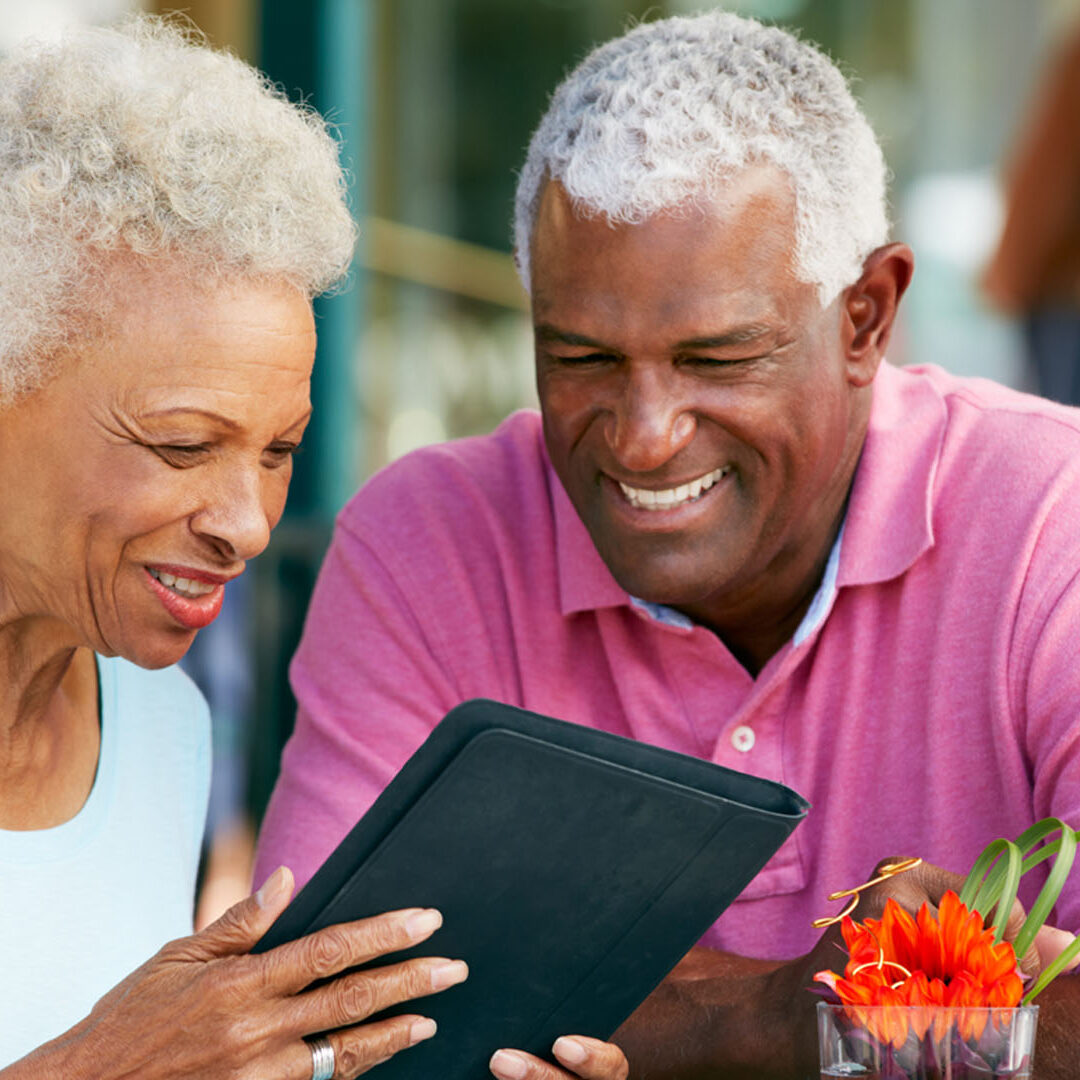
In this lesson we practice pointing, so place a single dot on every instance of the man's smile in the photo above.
(669, 498)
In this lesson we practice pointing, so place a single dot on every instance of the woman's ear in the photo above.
(869, 309)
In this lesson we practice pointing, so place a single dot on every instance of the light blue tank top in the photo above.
(85, 903)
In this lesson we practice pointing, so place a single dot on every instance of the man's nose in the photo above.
(648, 425)
(234, 515)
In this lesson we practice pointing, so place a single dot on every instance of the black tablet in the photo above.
(573, 869)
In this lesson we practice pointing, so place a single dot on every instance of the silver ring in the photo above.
(322, 1058)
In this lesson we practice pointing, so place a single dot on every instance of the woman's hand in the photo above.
(588, 1058)
(204, 1008)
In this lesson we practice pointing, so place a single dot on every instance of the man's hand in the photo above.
(721, 1014)
(587, 1058)
(927, 883)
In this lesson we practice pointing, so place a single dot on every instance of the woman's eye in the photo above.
(280, 453)
(181, 454)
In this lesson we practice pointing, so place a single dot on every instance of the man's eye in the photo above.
(718, 361)
(586, 359)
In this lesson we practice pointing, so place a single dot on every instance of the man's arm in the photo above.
(719, 1014)
(369, 687)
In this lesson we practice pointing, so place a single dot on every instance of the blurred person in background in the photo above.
(165, 219)
(732, 530)
(1035, 272)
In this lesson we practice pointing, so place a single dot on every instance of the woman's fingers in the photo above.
(583, 1057)
(244, 923)
(355, 997)
(293, 967)
(358, 1049)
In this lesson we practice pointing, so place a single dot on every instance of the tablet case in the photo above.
(573, 869)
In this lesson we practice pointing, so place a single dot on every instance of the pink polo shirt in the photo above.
(929, 702)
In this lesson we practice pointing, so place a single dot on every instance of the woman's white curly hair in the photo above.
(141, 140)
(656, 119)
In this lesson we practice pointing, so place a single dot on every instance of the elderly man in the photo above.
(733, 530)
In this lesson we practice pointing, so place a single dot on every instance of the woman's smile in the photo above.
(192, 597)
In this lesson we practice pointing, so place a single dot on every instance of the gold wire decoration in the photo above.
(887, 871)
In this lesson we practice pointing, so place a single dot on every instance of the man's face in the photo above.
(697, 404)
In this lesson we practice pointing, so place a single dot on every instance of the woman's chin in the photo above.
(154, 649)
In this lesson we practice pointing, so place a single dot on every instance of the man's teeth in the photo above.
(646, 499)
(182, 585)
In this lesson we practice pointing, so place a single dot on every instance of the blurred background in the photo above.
(434, 102)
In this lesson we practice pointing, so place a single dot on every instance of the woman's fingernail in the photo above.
(450, 974)
(421, 1030)
(508, 1065)
(423, 923)
(570, 1052)
(271, 888)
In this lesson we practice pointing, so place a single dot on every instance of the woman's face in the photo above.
(144, 476)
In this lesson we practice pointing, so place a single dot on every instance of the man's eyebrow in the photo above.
(549, 334)
(740, 335)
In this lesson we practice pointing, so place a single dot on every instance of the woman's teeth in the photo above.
(184, 586)
(646, 499)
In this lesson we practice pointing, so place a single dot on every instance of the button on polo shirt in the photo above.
(742, 738)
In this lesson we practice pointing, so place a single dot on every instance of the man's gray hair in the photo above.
(141, 140)
(656, 119)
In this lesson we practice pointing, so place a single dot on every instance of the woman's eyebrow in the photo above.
(193, 410)
(209, 414)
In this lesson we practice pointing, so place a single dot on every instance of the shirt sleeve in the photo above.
(370, 687)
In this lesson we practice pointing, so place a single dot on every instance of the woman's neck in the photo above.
(49, 724)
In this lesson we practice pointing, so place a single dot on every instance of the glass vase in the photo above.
(886, 1042)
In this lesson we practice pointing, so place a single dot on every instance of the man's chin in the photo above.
(675, 590)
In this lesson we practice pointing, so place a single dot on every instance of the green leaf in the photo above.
(991, 886)
(1055, 882)
(981, 867)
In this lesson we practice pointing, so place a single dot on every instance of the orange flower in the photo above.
(937, 965)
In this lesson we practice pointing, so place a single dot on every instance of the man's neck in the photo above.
(754, 641)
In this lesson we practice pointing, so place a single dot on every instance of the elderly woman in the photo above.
(165, 219)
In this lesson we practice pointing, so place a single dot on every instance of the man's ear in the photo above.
(869, 309)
